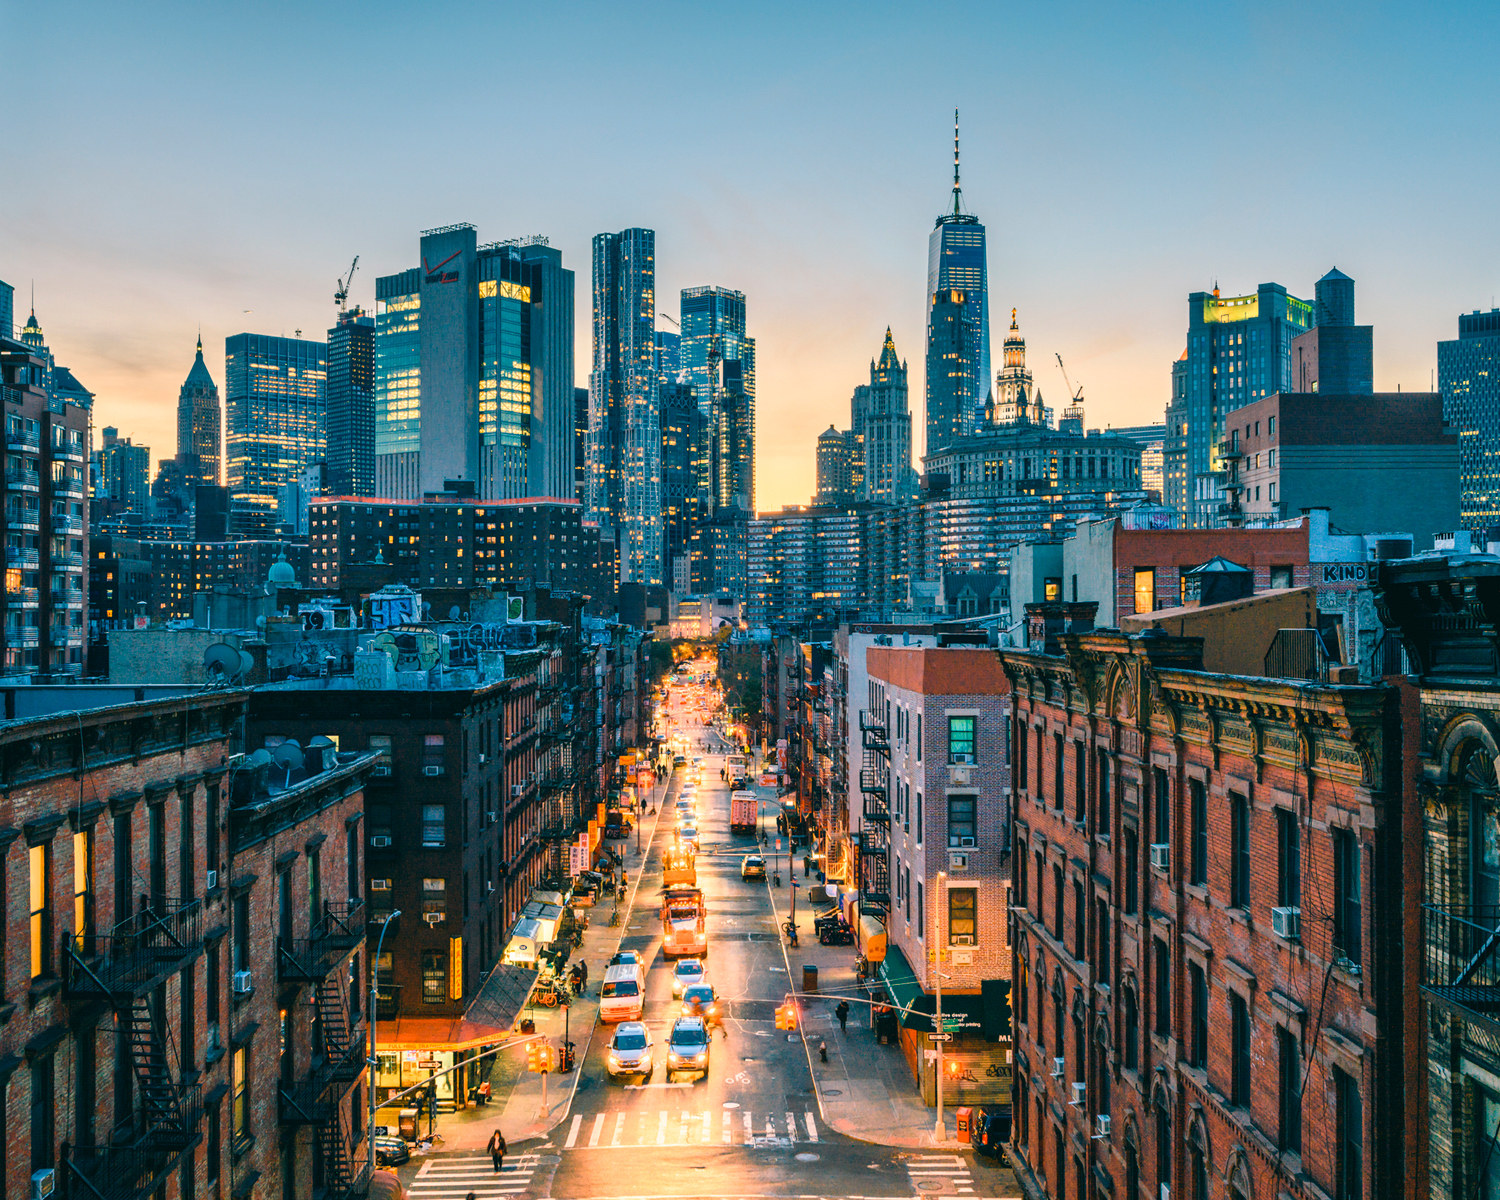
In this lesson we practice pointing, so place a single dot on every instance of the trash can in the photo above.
(408, 1123)
(809, 977)
(962, 1115)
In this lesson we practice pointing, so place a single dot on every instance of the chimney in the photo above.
(1046, 621)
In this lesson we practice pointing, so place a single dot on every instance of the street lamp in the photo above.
(374, 1018)
(939, 1131)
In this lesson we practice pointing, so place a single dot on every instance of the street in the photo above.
(752, 1126)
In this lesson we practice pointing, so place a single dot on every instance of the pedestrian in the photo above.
(842, 1013)
(497, 1150)
(484, 1092)
(823, 1051)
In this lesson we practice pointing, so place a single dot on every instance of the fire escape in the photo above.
(874, 783)
(127, 969)
(338, 1047)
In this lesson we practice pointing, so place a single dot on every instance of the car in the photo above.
(630, 1051)
(679, 760)
(688, 1046)
(626, 958)
(701, 1000)
(688, 834)
(697, 763)
(686, 973)
(391, 1151)
(752, 866)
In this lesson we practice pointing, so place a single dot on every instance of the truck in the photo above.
(743, 807)
(684, 918)
(679, 867)
(735, 769)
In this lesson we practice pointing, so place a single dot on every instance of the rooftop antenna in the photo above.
(955, 163)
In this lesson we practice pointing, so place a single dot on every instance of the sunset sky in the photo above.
(177, 165)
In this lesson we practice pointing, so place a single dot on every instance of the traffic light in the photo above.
(781, 1016)
(549, 1058)
(786, 1016)
(534, 1057)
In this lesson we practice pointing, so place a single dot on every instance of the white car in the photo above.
(630, 1051)
(685, 974)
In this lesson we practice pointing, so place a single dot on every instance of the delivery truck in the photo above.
(742, 811)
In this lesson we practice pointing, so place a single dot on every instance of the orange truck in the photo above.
(684, 919)
(742, 812)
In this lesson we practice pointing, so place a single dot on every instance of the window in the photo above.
(351, 862)
(211, 826)
(1041, 882)
(1023, 972)
(1351, 1137)
(961, 820)
(380, 823)
(1131, 1016)
(1346, 913)
(121, 840)
(41, 912)
(1270, 426)
(434, 897)
(434, 977)
(1198, 1042)
(1040, 791)
(1131, 867)
(960, 739)
(1103, 791)
(212, 1163)
(83, 890)
(1057, 902)
(315, 886)
(1080, 781)
(919, 818)
(42, 1113)
(1289, 1091)
(1199, 1169)
(240, 1127)
(1198, 859)
(963, 916)
(1080, 922)
(1239, 851)
(186, 874)
(1162, 974)
(919, 737)
(1023, 775)
(1281, 577)
(1023, 868)
(1101, 915)
(1132, 1171)
(1288, 860)
(1145, 589)
(922, 913)
(211, 986)
(1161, 832)
(1057, 769)
(380, 743)
(1239, 1033)
(156, 853)
(187, 1030)
(434, 825)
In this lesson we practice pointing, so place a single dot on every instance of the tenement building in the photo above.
(1210, 889)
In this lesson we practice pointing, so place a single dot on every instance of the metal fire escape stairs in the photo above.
(875, 844)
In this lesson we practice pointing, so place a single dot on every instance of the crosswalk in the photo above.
(689, 1127)
(455, 1178)
(939, 1175)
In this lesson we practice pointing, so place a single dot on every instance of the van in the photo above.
(620, 997)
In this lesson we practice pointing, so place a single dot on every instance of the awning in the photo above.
(872, 938)
(491, 1017)
(963, 1012)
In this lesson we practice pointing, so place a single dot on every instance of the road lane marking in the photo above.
(573, 1132)
(682, 1127)
(749, 1131)
(598, 1129)
(812, 1127)
(661, 1129)
(619, 1130)
(708, 1126)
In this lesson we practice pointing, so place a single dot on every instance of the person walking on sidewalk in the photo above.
(842, 1013)
(497, 1150)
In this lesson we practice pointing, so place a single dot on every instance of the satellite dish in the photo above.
(260, 758)
(288, 756)
(247, 661)
(386, 644)
(222, 663)
(453, 613)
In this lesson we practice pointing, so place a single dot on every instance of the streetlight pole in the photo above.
(374, 1018)
(939, 1130)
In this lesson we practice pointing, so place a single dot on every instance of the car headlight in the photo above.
(614, 1061)
(698, 1058)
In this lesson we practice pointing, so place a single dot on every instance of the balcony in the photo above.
(63, 635)
(23, 598)
(314, 1098)
(1460, 963)
(62, 523)
(28, 481)
(387, 1001)
(310, 959)
(66, 560)
(117, 1172)
(23, 440)
(73, 451)
(24, 521)
(22, 556)
(67, 487)
(26, 635)
(1231, 510)
(1229, 448)
(136, 954)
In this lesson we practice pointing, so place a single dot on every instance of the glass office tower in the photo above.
(351, 405)
(277, 421)
(398, 385)
(1469, 378)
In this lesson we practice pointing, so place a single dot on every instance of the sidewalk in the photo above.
(516, 1107)
(865, 1090)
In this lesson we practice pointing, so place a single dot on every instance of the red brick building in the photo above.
(1211, 994)
(175, 1019)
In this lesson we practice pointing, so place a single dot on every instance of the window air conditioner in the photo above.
(242, 982)
(43, 1184)
(959, 776)
(1057, 1067)
(967, 842)
(1287, 923)
(1078, 1091)
(518, 789)
(380, 843)
(382, 770)
(958, 862)
(434, 918)
(963, 939)
(1161, 855)
(494, 816)
(432, 772)
(481, 760)
(380, 885)
(489, 886)
(1101, 1128)
(213, 880)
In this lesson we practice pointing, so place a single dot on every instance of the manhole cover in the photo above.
(730, 1104)
(832, 1092)
(807, 1158)
(931, 1185)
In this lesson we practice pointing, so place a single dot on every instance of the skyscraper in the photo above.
(198, 423)
(883, 417)
(681, 452)
(277, 421)
(580, 443)
(835, 468)
(123, 474)
(1016, 397)
(7, 310)
(1469, 378)
(713, 324)
(351, 405)
(625, 403)
(1238, 350)
(956, 263)
(474, 369)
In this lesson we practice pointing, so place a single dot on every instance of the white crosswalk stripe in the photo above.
(454, 1178)
(684, 1127)
(940, 1175)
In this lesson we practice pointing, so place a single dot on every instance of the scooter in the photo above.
(836, 935)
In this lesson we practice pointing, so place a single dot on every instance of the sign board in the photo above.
(939, 1037)
(930, 1055)
(952, 1025)
(430, 1064)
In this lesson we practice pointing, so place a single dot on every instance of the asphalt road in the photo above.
(750, 1127)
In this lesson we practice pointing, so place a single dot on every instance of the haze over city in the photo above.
(187, 166)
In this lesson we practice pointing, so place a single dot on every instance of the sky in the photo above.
(177, 165)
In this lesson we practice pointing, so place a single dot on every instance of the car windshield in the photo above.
(755, 861)
(689, 1035)
(702, 994)
(690, 966)
(625, 987)
(630, 1041)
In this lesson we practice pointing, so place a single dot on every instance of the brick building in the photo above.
(1212, 873)
(936, 768)
(145, 867)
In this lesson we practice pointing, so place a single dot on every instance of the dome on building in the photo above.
(281, 574)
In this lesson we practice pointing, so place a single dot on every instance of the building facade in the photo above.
(199, 423)
(1198, 853)
(277, 421)
(882, 424)
(351, 405)
(1469, 379)
(122, 474)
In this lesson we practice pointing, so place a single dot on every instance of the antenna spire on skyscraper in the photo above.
(956, 191)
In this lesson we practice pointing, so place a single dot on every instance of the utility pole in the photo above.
(939, 1130)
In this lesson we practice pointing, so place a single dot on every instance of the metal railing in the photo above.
(313, 1098)
(1461, 959)
(136, 953)
(309, 959)
(116, 1172)
(387, 1000)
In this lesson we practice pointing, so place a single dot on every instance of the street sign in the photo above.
(939, 1037)
(430, 1064)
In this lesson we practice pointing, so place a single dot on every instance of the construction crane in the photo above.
(1074, 411)
(342, 295)
(671, 318)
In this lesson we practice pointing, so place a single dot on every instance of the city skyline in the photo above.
(1136, 185)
